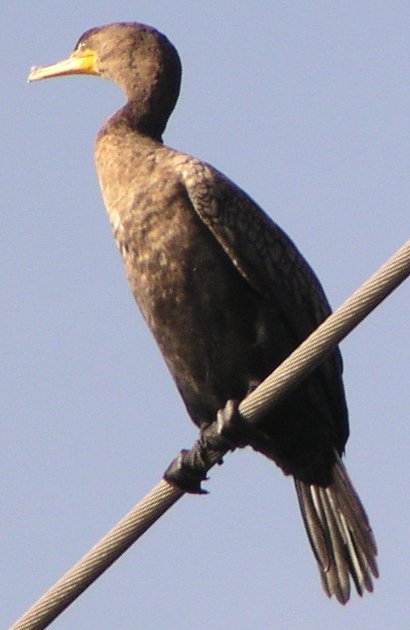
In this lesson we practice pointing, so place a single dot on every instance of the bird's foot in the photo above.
(190, 468)
(229, 431)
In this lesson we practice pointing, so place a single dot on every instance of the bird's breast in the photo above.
(188, 291)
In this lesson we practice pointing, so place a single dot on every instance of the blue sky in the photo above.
(306, 106)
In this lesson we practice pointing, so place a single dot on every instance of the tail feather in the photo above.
(339, 533)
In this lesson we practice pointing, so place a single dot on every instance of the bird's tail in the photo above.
(339, 533)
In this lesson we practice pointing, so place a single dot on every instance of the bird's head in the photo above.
(137, 57)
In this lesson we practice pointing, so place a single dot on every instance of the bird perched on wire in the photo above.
(225, 292)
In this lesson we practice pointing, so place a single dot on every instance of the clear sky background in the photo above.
(306, 106)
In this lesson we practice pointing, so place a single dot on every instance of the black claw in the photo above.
(187, 471)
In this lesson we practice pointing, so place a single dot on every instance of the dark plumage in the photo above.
(224, 291)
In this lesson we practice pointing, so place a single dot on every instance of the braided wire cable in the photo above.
(309, 354)
(99, 558)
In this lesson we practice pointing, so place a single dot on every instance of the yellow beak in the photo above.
(79, 62)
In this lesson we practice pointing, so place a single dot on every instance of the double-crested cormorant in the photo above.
(224, 291)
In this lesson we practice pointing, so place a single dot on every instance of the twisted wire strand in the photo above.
(99, 558)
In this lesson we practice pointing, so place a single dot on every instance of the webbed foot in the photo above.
(228, 432)
(188, 470)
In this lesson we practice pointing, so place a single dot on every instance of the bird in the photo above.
(225, 292)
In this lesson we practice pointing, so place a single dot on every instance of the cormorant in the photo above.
(225, 292)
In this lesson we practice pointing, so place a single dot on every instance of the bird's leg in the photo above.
(231, 425)
(236, 428)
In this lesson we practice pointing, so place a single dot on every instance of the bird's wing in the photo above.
(260, 250)
(269, 261)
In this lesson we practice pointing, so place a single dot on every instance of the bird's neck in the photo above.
(141, 120)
